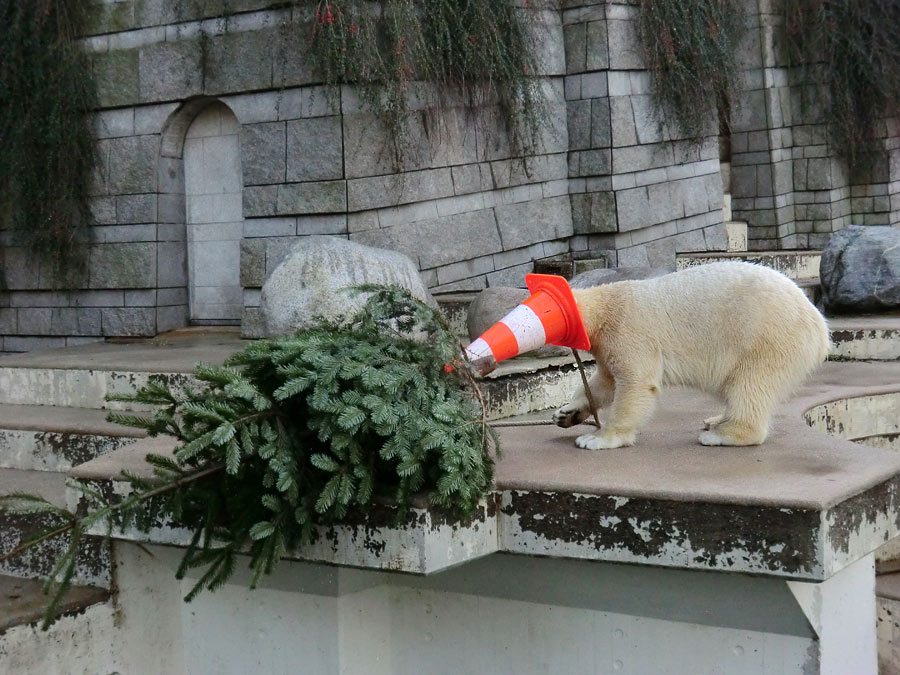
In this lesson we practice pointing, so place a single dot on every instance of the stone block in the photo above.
(34, 320)
(716, 237)
(75, 321)
(253, 263)
(322, 224)
(128, 321)
(171, 269)
(368, 150)
(263, 153)
(103, 210)
(601, 125)
(150, 119)
(114, 123)
(170, 210)
(597, 48)
(578, 116)
(170, 71)
(252, 325)
(439, 241)
(260, 201)
(131, 265)
(118, 234)
(136, 208)
(303, 198)
(141, 298)
(622, 125)
(116, 76)
(575, 45)
(242, 61)
(314, 149)
(132, 164)
(593, 212)
(107, 17)
(292, 67)
(470, 178)
(394, 189)
(171, 317)
(8, 321)
(270, 227)
(624, 46)
(529, 222)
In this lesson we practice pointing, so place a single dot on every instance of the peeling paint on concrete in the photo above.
(867, 344)
(782, 542)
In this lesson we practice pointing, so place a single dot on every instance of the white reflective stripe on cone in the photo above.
(478, 349)
(527, 328)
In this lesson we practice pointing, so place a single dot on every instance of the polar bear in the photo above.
(742, 331)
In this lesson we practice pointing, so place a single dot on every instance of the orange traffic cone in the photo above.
(549, 316)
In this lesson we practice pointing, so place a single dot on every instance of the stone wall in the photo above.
(606, 173)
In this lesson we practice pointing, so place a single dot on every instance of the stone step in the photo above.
(93, 561)
(865, 338)
(84, 638)
(23, 602)
(798, 265)
(52, 438)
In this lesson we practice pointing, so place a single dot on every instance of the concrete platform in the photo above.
(802, 506)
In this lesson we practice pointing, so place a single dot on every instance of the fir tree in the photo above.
(294, 432)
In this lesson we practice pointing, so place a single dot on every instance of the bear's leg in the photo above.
(602, 387)
(631, 407)
(715, 420)
(752, 393)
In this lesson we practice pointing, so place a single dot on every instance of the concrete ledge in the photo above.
(423, 541)
(802, 506)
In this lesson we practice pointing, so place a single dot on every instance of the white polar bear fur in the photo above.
(742, 331)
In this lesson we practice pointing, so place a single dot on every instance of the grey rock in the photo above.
(613, 274)
(491, 305)
(309, 282)
(860, 269)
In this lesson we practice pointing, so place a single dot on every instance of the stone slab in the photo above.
(424, 541)
(22, 601)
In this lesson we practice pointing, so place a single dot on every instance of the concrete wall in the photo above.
(502, 614)
(606, 173)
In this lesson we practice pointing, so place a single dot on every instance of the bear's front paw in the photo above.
(604, 441)
(569, 415)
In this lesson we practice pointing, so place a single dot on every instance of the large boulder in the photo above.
(310, 282)
(860, 269)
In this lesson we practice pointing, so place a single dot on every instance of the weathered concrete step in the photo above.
(812, 288)
(77, 388)
(865, 338)
(37, 562)
(23, 603)
(421, 542)
(798, 265)
(85, 638)
(52, 438)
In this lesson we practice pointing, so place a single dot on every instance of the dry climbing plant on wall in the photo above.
(691, 50)
(47, 148)
(406, 56)
(848, 58)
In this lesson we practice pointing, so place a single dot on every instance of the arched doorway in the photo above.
(213, 192)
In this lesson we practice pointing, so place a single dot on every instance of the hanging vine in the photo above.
(48, 150)
(692, 50)
(405, 56)
(848, 58)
